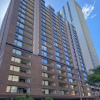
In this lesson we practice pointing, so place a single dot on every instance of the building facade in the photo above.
(40, 54)
(72, 12)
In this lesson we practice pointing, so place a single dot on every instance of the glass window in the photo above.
(67, 58)
(45, 75)
(22, 10)
(21, 19)
(58, 65)
(18, 43)
(8, 88)
(85, 79)
(19, 30)
(84, 74)
(44, 67)
(15, 78)
(44, 53)
(45, 91)
(57, 53)
(89, 94)
(69, 74)
(57, 58)
(70, 80)
(44, 61)
(10, 77)
(22, 15)
(59, 71)
(67, 62)
(73, 93)
(14, 89)
(17, 52)
(44, 48)
(45, 83)
(69, 69)
(16, 59)
(19, 24)
(14, 68)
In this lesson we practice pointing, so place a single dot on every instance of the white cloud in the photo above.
(87, 10)
(93, 16)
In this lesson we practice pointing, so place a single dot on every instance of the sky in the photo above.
(90, 10)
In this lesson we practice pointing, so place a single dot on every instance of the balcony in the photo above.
(24, 79)
(47, 75)
(46, 49)
(47, 68)
(49, 91)
(23, 45)
(61, 72)
(49, 62)
(20, 69)
(48, 83)
(63, 85)
(21, 53)
(64, 92)
(47, 44)
(21, 61)
(18, 89)
(61, 78)
(47, 54)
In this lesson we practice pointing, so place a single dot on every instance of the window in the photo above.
(70, 80)
(57, 54)
(73, 93)
(22, 10)
(43, 42)
(67, 58)
(67, 62)
(45, 75)
(57, 49)
(65, 49)
(88, 89)
(44, 48)
(69, 74)
(19, 24)
(14, 68)
(42, 2)
(58, 65)
(89, 94)
(72, 86)
(12, 89)
(85, 79)
(21, 19)
(69, 69)
(45, 83)
(66, 53)
(59, 71)
(19, 30)
(13, 78)
(79, 77)
(44, 61)
(21, 14)
(18, 43)
(44, 53)
(84, 74)
(17, 52)
(45, 91)
(17, 60)
(44, 33)
(62, 92)
(44, 67)
(56, 44)
(83, 69)
(57, 58)
(43, 37)
(18, 36)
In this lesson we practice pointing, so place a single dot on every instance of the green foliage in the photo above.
(94, 77)
(48, 98)
(26, 97)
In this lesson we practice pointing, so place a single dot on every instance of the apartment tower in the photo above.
(40, 54)
(72, 12)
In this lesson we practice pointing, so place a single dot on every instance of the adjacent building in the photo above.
(40, 54)
(72, 12)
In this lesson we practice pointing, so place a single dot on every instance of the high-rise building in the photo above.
(40, 54)
(72, 12)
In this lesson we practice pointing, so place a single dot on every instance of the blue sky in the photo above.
(90, 10)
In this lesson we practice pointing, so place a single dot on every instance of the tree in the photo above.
(26, 97)
(47, 98)
(94, 76)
